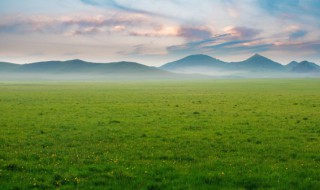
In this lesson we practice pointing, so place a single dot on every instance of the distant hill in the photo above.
(82, 68)
(130, 67)
(304, 67)
(79, 66)
(194, 62)
(7, 67)
(204, 64)
(71, 66)
(258, 63)
(195, 66)
(291, 65)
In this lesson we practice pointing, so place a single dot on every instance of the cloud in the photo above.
(18, 24)
(306, 46)
(228, 44)
(127, 24)
(142, 50)
(84, 31)
(188, 10)
(186, 32)
(75, 25)
(235, 39)
(195, 33)
(298, 34)
(157, 31)
(224, 44)
(242, 32)
(196, 46)
(117, 6)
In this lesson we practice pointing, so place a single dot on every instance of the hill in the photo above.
(291, 65)
(203, 64)
(196, 66)
(193, 63)
(78, 69)
(258, 63)
(81, 67)
(7, 67)
(303, 67)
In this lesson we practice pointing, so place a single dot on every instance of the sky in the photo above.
(154, 32)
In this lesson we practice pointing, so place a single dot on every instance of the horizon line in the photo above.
(107, 62)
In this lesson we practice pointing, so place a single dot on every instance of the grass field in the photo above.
(221, 134)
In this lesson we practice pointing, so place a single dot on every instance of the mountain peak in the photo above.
(260, 63)
(292, 64)
(198, 56)
(306, 62)
(258, 56)
(191, 61)
(75, 61)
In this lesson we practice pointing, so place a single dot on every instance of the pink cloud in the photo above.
(195, 33)
(157, 31)
(76, 25)
(241, 32)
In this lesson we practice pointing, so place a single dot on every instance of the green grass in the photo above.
(223, 134)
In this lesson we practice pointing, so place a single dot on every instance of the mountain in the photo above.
(130, 67)
(72, 66)
(198, 65)
(291, 65)
(258, 63)
(203, 64)
(305, 67)
(194, 63)
(83, 68)
(7, 67)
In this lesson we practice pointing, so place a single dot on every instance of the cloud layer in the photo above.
(154, 32)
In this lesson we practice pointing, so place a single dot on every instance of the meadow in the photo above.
(209, 134)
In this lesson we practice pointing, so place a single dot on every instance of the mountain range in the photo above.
(82, 68)
(256, 63)
(194, 64)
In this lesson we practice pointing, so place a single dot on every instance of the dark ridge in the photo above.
(258, 63)
(306, 67)
(198, 60)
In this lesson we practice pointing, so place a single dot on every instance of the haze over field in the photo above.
(157, 32)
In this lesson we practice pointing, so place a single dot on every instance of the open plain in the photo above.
(212, 134)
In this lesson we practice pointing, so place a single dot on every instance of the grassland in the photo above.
(222, 134)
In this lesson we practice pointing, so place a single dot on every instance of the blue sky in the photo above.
(154, 32)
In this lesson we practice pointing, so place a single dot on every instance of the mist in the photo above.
(222, 73)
